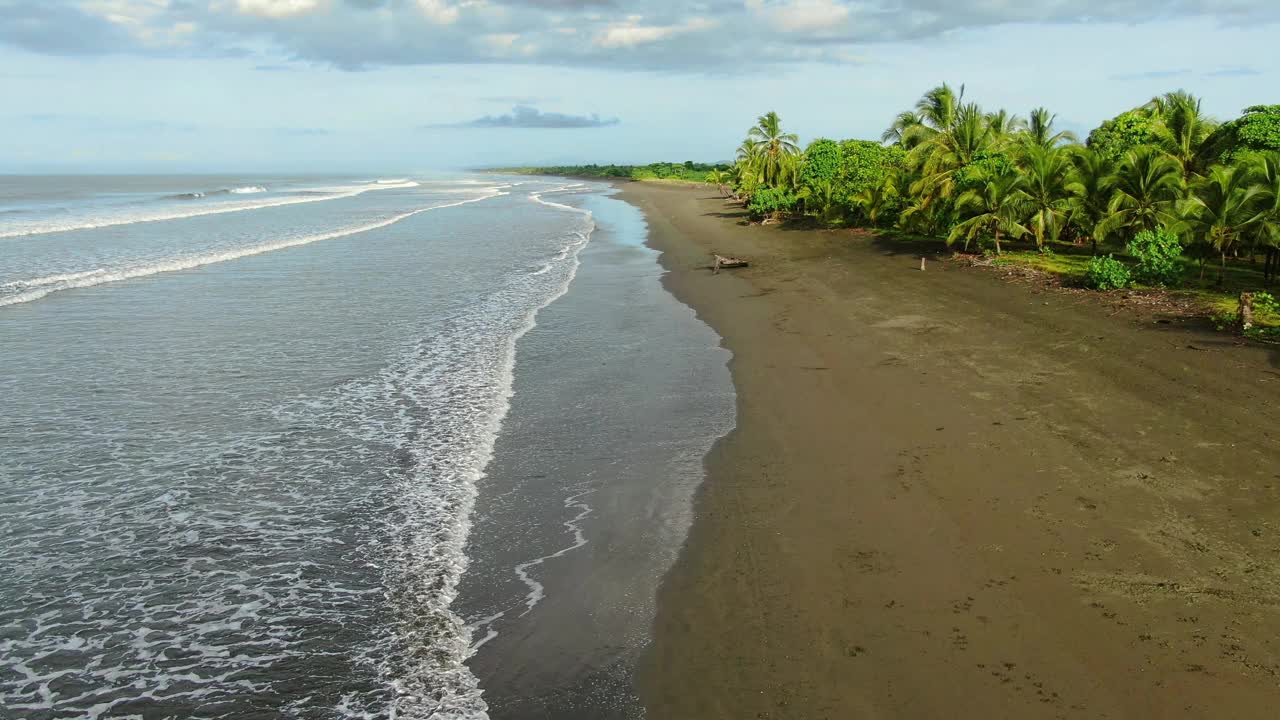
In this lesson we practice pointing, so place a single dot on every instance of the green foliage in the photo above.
(984, 165)
(1257, 130)
(821, 162)
(866, 166)
(1106, 273)
(688, 171)
(1127, 131)
(1265, 302)
(771, 202)
(1157, 253)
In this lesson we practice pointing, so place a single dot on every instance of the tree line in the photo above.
(1162, 177)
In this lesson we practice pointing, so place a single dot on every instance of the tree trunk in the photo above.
(997, 241)
(1244, 317)
(1095, 245)
(1222, 269)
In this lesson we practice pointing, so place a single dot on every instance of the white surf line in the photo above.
(51, 279)
(407, 703)
(187, 263)
(184, 214)
(536, 590)
(576, 187)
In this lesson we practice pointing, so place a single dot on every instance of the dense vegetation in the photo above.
(687, 171)
(1152, 196)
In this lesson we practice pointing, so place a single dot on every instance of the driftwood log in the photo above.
(727, 262)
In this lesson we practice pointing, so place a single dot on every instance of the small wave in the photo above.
(98, 277)
(575, 187)
(52, 279)
(319, 195)
(247, 190)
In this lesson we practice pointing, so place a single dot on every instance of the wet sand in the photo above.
(953, 496)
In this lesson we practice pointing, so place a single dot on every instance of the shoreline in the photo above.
(947, 495)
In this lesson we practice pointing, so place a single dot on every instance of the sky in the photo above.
(171, 86)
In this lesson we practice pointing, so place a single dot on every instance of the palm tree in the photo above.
(1091, 186)
(1004, 126)
(1046, 173)
(900, 127)
(1040, 131)
(1219, 207)
(773, 146)
(876, 200)
(1182, 130)
(1265, 228)
(1147, 187)
(993, 209)
(720, 179)
(948, 150)
(936, 111)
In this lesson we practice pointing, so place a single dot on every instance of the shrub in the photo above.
(769, 202)
(1265, 302)
(1106, 273)
(1157, 253)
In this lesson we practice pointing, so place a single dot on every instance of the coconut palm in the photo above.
(1091, 186)
(1219, 208)
(936, 111)
(1040, 131)
(949, 150)
(878, 200)
(720, 179)
(1264, 231)
(993, 209)
(1182, 130)
(1147, 185)
(1004, 126)
(900, 127)
(1046, 172)
(773, 146)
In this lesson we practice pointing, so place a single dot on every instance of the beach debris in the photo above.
(727, 262)
(922, 264)
(1244, 317)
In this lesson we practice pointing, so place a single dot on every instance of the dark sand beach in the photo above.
(952, 496)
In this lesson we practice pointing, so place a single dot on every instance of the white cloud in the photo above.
(801, 15)
(439, 11)
(631, 33)
(276, 8)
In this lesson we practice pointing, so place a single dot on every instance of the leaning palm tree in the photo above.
(1148, 184)
(1046, 174)
(1040, 131)
(993, 209)
(900, 128)
(720, 179)
(1219, 208)
(1092, 185)
(773, 146)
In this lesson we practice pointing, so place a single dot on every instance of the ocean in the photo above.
(338, 447)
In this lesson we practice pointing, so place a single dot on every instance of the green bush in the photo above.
(1157, 253)
(768, 202)
(1117, 136)
(1257, 130)
(1106, 273)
